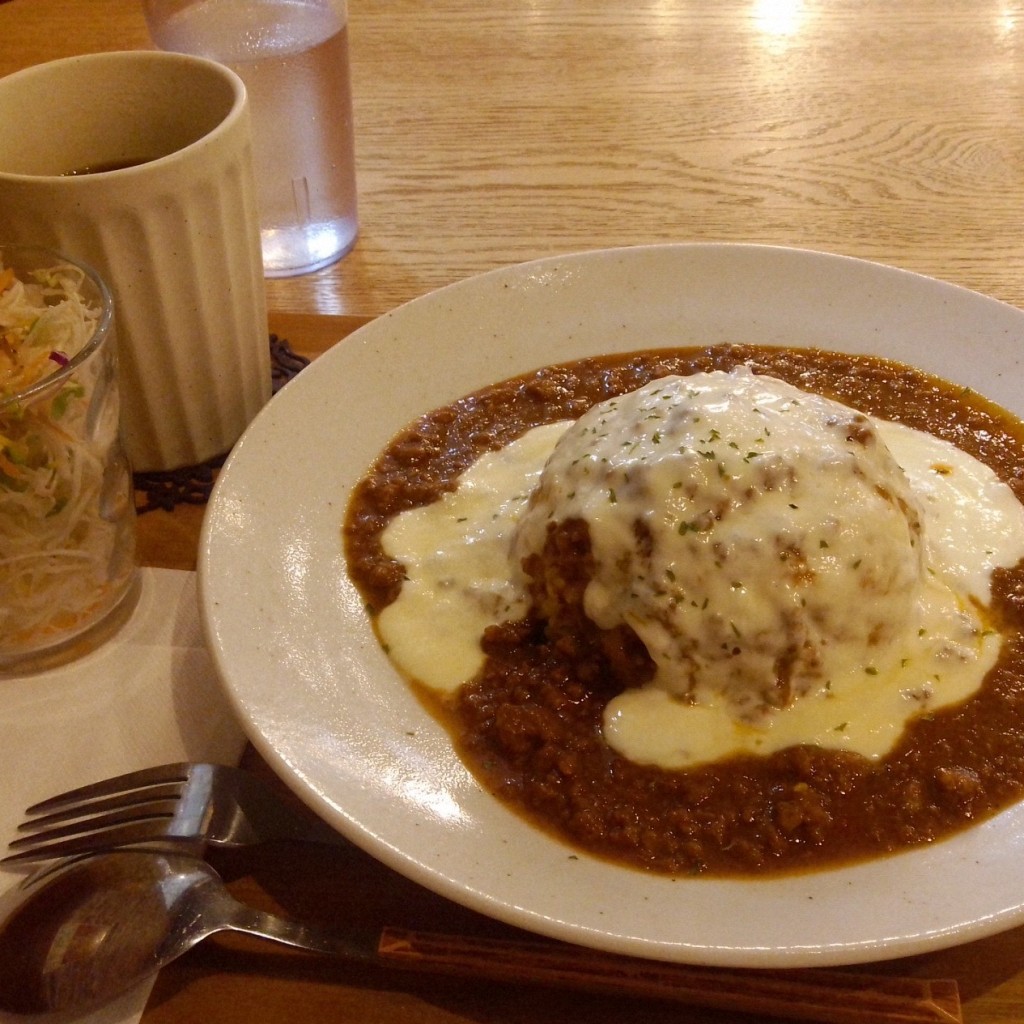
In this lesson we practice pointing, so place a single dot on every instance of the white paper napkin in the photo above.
(149, 696)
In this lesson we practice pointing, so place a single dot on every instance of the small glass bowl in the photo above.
(67, 514)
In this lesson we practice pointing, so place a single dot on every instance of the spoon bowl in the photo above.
(95, 929)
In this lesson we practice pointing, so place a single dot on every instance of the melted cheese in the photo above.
(459, 575)
(751, 535)
(937, 530)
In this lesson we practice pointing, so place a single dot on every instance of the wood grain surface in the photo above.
(490, 134)
(493, 133)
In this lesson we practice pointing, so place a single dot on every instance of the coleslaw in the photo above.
(66, 515)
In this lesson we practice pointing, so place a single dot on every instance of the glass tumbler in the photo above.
(294, 59)
(67, 513)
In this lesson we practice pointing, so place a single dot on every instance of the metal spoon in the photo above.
(97, 928)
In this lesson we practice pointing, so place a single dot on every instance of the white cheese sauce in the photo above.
(459, 575)
(957, 522)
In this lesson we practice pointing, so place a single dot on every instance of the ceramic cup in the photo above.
(140, 164)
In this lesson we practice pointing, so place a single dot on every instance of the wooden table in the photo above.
(490, 133)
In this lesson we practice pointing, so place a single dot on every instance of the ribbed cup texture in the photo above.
(195, 362)
(177, 241)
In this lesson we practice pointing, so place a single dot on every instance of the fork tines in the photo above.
(173, 775)
(130, 808)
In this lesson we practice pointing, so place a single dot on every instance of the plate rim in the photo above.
(306, 788)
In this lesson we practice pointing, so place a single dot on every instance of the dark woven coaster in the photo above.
(284, 363)
(192, 485)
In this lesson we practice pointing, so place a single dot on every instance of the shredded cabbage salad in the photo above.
(65, 553)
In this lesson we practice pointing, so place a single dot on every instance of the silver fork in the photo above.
(170, 803)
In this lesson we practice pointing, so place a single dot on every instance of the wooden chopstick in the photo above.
(828, 996)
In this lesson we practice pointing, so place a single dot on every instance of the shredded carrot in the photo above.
(57, 546)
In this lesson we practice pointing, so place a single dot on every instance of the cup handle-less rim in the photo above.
(157, 59)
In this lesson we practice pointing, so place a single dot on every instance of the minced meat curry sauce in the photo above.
(529, 725)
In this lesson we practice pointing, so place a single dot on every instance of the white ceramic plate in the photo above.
(321, 703)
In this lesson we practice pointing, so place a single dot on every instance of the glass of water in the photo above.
(293, 57)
